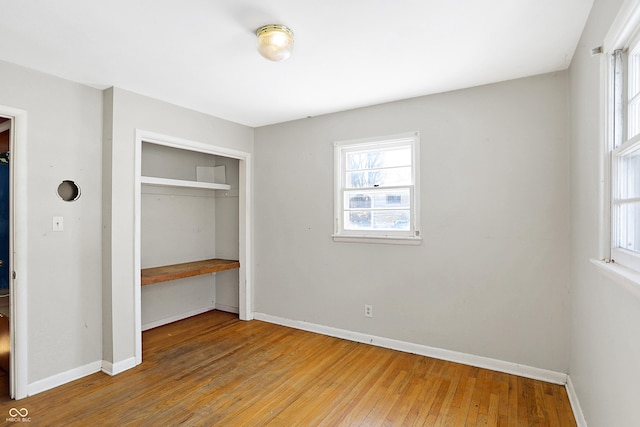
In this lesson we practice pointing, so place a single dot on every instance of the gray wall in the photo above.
(64, 134)
(605, 316)
(130, 112)
(490, 277)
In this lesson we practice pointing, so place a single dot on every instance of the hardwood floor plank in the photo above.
(369, 392)
(387, 399)
(401, 413)
(465, 404)
(326, 401)
(492, 415)
(501, 389)
(447, 412)
(513, 401)
(484, 398)
(344, 394)
(213, 369)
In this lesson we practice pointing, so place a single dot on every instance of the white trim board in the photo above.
(171, 319)
(64, 377)
(423, 350)
(623, 26)
(575, 403)
(80, 372)
(228, 308)
(181, 316)
(115, 368)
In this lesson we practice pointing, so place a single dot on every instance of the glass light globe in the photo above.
(275, 42)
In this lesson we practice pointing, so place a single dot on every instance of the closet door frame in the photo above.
(245, 281)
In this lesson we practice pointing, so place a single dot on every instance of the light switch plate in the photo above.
(58, 223)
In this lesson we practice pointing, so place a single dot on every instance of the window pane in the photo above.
(628, 180)
(379, 158)
(357, 220)
(391, 220)
(627, 228)
(633, 127)
(379, 177)
(377, 220)
(634, 73)
(378, 199)
(357, 201)
(633, 120)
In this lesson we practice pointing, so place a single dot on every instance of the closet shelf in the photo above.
(149, 276)
(166, 182)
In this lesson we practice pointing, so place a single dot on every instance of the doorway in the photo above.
(5, 268)
(15, 270)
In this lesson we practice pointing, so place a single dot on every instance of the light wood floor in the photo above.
(214, 370)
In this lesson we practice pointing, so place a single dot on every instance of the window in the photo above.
(376, 190)
(624, 153)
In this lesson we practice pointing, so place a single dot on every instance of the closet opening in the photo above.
(192, 234)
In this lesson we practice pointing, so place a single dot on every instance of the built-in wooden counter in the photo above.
(149, 276)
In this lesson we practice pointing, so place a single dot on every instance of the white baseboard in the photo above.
(177, 317)
(115, 368)
(227, 308)
(63, 378)
(575, 403)
(423, 350)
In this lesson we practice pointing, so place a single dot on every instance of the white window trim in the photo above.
(620, 255)
(621, 33)
(393, 238)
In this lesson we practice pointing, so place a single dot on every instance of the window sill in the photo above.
(624, 276)
(384, 240)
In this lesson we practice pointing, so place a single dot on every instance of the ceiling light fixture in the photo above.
(275, 42)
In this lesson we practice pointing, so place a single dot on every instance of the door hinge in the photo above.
(13, 274)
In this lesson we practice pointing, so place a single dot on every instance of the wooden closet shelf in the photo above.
(165, 273)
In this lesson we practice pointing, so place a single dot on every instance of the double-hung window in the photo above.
(376, 190)
(624, 137)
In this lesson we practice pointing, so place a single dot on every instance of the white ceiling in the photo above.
(348, 53)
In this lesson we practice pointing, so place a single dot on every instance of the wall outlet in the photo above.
(368, 310)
